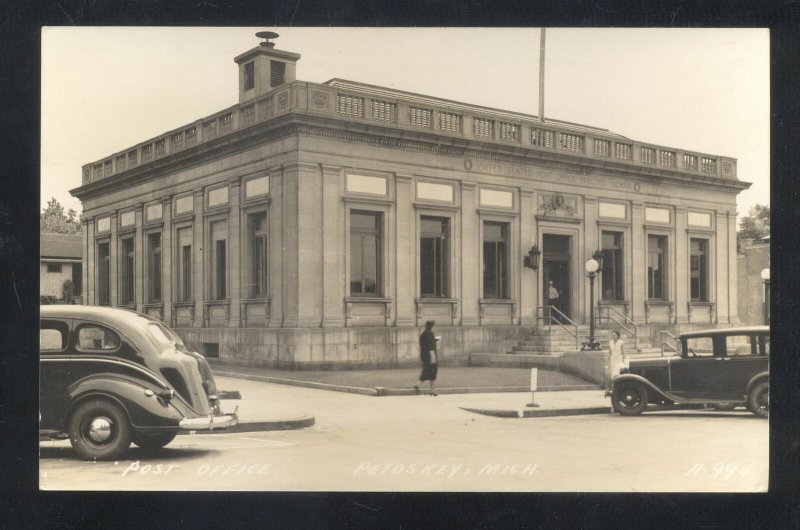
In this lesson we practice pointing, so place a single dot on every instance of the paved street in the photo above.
(422, 443)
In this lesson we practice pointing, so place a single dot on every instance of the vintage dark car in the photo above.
(109, 377)
(723, 368)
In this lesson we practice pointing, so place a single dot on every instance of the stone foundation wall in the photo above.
(345, 348)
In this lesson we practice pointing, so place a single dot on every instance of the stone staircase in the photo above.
(556, 340)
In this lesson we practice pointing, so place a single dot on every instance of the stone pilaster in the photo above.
(731, 259)
(406, 250)
(140, 262)
(88, 274)
(168, 276)
(308, 244)
(333, 252)
(528, 238)
(639, 262)
(235, 272)
(113, 265)
(724, 286)
(198, 245)
(277, 252)
(681, 265)
(471, 255)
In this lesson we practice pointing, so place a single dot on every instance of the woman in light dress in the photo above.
(616, 355)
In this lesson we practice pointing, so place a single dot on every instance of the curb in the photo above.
(258, 426)
(382, 391)
(539, 413)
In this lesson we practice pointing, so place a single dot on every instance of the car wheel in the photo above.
(629, 399)
(725, 406)
(99, 430)
(153, 440)
(758, 400)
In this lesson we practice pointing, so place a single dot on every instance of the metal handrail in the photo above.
(673, 347)
(625, 318)
(549, 309)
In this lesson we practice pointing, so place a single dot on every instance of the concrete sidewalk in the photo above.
(566, 403)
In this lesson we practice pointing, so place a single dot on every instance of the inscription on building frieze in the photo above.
(556, 177)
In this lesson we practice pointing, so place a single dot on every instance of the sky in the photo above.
(105, 89)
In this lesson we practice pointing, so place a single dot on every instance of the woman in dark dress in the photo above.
(427, 354)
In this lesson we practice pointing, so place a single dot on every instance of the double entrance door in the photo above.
(556, 269)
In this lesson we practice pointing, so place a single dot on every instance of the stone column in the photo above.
(681, 264)
(235, 269)
(405, 263)
(333, 249)
(276, 250)
(113, 248)
(140, 261)
(529, 278)
(592, 242)
(723, 283)
(199, 244)
(471, 252)
(638, 263)
(167, 250)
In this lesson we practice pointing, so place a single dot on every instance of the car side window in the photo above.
(53, 335)
(92, 337)
(700, 346)
(740, 345)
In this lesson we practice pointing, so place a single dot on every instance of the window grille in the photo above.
(667, 159)
(483, 127)
(350, 106)
(277, 70)
(572, 142)
(509, 132)
(449, 122)
(622, 151)
(382, 111)
(602, 147)
(421, 117)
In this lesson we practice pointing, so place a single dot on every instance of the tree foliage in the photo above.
(54, 220)
(754, 225)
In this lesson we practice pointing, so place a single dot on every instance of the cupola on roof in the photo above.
(264, 68)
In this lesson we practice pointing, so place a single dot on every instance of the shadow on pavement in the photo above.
(135, 453)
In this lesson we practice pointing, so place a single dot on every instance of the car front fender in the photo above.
(755, 380)
(622, 378)
(141, 403)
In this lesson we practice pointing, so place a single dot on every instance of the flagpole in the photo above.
(541, 75)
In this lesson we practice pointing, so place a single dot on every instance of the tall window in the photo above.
(257, 237)
(495, 260)
(127, 271)
(365, 253)
(219, 269)
(434, 262)
(249, 75)
(656, 267)
(184, 253)
(154, 267)
(277, 73)
(103, 277)
(612, 276)
(698, 270)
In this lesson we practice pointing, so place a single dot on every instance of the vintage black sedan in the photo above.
(723, 368)
(109, 377)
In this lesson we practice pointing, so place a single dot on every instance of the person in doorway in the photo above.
(616, 356)
(552, 300)
(428, 356)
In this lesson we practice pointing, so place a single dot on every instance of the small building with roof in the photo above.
(61, 259)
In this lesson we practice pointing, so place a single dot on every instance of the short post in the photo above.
(534, 380)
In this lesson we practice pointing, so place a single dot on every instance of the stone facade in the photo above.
(320, 225)
(753, 259)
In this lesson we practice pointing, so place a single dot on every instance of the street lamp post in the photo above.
(765, 279)
(591, 272)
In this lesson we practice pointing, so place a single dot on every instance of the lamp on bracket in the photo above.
(531, 260)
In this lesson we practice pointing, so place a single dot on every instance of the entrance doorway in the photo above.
(556, 268)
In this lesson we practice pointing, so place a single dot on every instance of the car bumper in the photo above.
(210, 422)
